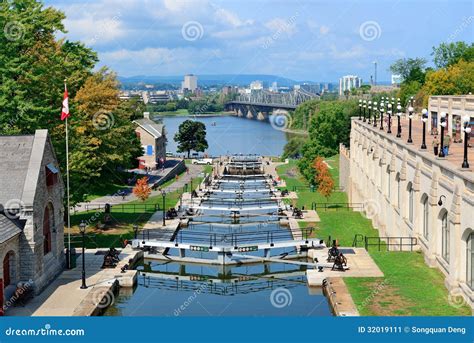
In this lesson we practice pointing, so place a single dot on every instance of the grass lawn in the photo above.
(289, 172)
(115, 183)
(409, 287)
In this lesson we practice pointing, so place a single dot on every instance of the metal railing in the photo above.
(125, 207)
(337, 206)
(387, 243)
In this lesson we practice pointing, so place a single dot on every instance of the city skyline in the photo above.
(301, 40)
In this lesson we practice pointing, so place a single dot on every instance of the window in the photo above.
(410, 202)
(445, 236)
(398, 190)
(51, 174)
(149, 150)
(426, 210)
(470, 261)
(48, 222)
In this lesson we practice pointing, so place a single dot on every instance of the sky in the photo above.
(299, 39)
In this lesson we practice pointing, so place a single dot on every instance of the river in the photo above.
(231, 135)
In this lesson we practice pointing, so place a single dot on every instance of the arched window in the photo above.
(426, 215)
(48, 224)
(470, 261)
(8, 269)
(411, 194)
(445, 236)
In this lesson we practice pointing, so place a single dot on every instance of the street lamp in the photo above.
(375, 113)
(82, 228)
(163, 194)
(365, 106)
(389, 112)
(467, 131)
(370, 111)
(382, 110)
(410, 117)
(424, 119)
(399, 114)
(360, 109)
(443, 125)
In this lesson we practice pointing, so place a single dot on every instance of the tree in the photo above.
(323, 177)
(171, 106)
(410, 69)
(447, 54)
(294, 147)
(303, 114)
(142, 190)
(191, 135)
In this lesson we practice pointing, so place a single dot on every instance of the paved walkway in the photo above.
(193, 172)
(64, 297)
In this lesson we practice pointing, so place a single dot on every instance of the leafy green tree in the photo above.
(447, 54)
(294, 147)
(303, 114)
(410, 69)
(191, 135)
(171, 106)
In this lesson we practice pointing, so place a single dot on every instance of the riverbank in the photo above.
(409, 287)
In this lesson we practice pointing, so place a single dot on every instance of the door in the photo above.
(6, 270)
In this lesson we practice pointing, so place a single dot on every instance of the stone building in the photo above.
(409, 192)
(153, 140)
(31, 212)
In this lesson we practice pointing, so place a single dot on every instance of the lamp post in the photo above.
(443, 125)
(410, 117)
(399, 127)
(135, 230)
(389, 123)
(467, 132)
(382, 110)
(82, 228)
(365, 106)
(163, 194)
(424, 119)
(370, 111)
(360, 109)
(375, 113)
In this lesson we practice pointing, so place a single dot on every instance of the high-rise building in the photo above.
(189, 83)
(348, 82)
(256, 85)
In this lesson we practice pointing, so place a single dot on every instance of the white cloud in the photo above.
(287, 26)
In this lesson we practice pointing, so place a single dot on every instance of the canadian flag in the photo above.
(65, 111)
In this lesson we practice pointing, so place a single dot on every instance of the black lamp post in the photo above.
(163, 194)
(424, 119)
(399, 114)
(82, 228)
(389, 123)
(360, 109)
(365, 106)
(374, 105)
(410, 117)
(382, 110)
(467, 132)
(370, 112)
(443, 125)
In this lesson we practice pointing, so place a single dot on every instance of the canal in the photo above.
(231, 135)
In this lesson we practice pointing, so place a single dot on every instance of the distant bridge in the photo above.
(261, 104)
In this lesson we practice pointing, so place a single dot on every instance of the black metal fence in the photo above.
(387, 243)
(337, 206)
(125, 207)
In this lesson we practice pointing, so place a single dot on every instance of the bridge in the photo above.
(261, 104)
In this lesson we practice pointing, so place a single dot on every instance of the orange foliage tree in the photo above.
(142, 190)
(323, 177)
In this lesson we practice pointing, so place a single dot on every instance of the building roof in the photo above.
(153, 128)
(21, 158)
(9, 227)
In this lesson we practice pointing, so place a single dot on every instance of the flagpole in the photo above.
(67, 190)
